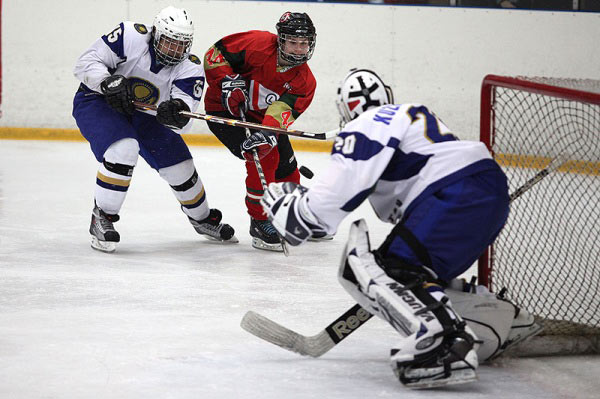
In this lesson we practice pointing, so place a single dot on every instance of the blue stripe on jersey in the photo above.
(403, 166)
(114, 40)
(192, 86)
(357, 200)
(155, 66)
(356, 146)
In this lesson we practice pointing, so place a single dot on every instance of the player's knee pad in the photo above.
(180, 174)
(123, 152)
(286, 167)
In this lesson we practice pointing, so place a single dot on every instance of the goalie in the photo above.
(448, 200)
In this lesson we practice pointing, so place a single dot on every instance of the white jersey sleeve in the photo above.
(92, 67)
(391, 155)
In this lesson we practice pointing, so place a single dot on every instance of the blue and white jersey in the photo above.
(128, 51)
(393, 155)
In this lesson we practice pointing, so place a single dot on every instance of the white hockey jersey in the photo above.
(128, 51)
(391, 155)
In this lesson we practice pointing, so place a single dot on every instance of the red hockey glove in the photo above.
(263, 142)
(234, 95)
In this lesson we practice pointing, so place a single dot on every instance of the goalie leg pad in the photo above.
(498, 324)
(437, 348)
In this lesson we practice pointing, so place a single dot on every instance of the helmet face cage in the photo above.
(294, 27)
(173, 33)
(359, 91)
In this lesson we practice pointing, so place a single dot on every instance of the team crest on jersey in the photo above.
(194, 59)
(144, 91)
(261, 97)
(141, 28)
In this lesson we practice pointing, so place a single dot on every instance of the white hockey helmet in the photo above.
(360, 90)
(175, 29)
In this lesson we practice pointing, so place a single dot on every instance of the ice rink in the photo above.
(160, 317)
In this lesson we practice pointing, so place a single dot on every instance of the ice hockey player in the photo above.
(151, 65)
(448, 200)
(265, 78)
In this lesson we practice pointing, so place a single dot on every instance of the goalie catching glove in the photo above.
(286, 206)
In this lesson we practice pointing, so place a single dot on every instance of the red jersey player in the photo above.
(265, 78)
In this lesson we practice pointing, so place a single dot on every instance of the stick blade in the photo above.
(272, 332)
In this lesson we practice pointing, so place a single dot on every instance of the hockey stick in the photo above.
(244, 124)
(356, 316)
(263, 180)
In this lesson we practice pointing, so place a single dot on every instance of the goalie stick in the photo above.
(356, 316)
(250, 125)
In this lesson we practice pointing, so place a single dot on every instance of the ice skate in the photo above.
(453, 362)
(104, 235)
(264, 236)
(212, 228)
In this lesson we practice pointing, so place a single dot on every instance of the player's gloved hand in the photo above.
(118, 94)
(263, 142)
(286, 206)
(168, 114)
(234, 95)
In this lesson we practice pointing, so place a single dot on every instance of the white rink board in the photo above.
(434, 55)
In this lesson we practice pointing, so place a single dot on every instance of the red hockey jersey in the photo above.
(278, 95)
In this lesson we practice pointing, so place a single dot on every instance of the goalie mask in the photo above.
(359, 91)
(296, 38)
(173, 32)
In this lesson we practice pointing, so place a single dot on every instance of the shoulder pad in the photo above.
(194, 59)
(141, 28)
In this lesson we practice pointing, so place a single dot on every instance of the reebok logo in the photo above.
(346, 326)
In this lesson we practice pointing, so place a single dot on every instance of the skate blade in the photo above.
(457, 377)
(232, 240)
(103, 246)
(260, 244)
(327, 237)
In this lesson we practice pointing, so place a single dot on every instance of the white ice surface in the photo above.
(160, 317)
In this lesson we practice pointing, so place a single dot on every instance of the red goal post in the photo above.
(548, 255)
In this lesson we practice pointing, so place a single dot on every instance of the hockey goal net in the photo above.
(548, 255)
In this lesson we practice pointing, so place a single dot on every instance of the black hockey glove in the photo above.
(118, 94)
(234, 95)
(263, 142)
(168, 113)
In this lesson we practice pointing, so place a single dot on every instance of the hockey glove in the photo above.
(286, 207)
(118, 94)
(234, 95)
(168, 113)
(263, 142)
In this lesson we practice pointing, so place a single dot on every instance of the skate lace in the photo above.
(266, 226)
(208, 228)
(105, 224)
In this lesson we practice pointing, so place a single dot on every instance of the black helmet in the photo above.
(295, 24)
